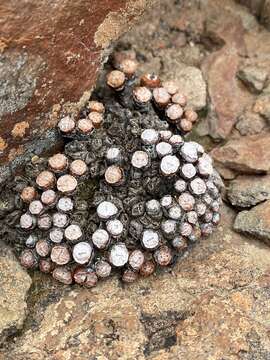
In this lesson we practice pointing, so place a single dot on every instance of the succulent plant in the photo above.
(153, 193)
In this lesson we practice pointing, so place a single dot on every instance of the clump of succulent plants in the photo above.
(152, 194)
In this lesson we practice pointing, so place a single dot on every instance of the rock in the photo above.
(262, 106)
(253, 77)
(225, 173)
(180, 40)
(255, 222)
(227, 98)
(249, 154)
(52, 61)
(261, 8)
(190, 81)
(254, 5)
(15, 283)
(247, 191)
(189, 310)
(265, 14)
(250, 123)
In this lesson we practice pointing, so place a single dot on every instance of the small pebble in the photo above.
(165, 135)
(179, 243)
(176, 141)
(128, 66)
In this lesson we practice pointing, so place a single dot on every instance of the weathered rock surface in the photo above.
(255, 222)
(253, 77)
(249, 154)
(14, 285)
(261, 8)
(50, 53)
(265, 14)
(189, 80)
(247, 191)
(212, 305)
(227, 97)
(250, 123)
(262, 106)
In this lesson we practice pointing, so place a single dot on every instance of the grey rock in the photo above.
(262, 105)
(253, 77)
(190, 80)
(250, 124)
(265, 14)
(255, 222)
(18, 78)
(247, 191)
(15, 283)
